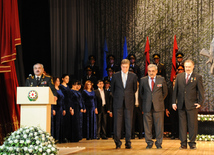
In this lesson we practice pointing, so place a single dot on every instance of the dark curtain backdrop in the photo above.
(73, 21)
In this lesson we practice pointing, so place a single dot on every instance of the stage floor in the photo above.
(170, 147)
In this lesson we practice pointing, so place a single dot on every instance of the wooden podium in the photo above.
(35, 106)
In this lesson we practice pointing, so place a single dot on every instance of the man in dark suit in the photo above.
(40, 79)
(153, 90)
(133, 64)
(161, 66)
(123, 87)
(102, 97)
(189, 93)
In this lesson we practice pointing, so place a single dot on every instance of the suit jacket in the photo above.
(45, 80)
(190, 93)
(95, 71)
(120, 93)
(155, 97)
(115, 67)
(99, 100)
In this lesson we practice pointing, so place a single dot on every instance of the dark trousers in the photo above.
(118, 117)
(137, 118)
(101, 123)
(190, 118)
(158, 118)
(174, 122)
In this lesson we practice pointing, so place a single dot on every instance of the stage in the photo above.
(139, 147)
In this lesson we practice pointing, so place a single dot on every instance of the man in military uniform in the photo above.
(161, 66)
(110, 72)
(40, 79)
(136, 68)
(111, 63)
(180, 69)
(90, 76)
(179, 57)
(95, 69)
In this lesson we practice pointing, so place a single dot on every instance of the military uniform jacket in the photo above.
(161, 70)
(45, 80)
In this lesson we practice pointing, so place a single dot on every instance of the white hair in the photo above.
(38, 64)
(152, 65)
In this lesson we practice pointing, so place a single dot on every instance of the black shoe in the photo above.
(98, 138)
(183, 147)
(133, 137)
(193, 147)
(88, 138)
(140, 137)
(148, 146)
(159, 147)
(118, 145)
(128, 146)
(172, 137)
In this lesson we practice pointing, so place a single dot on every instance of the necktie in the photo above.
(187, 78)
(152, 83)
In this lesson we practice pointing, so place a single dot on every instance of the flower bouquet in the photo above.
(29, 141)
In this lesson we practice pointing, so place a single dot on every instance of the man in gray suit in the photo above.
(123, 86)
(153, 90)
(189, 93)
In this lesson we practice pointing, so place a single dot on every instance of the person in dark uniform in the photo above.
(161, 66)
(110, 72)
(136, 68)
(95, 69)
(179, 57)
(137, 115)
(111, 63)
(109, 129)
(40, 79)
(90, 76)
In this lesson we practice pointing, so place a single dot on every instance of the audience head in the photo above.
(152, 70)
(38, 69)
(107, 84)
(189, 66)
(132, 58)
(92, 59)
(100, 84)
(56, 81)
(88, 70)
(88, 85)
(156, 58)
(65, 78)
(125, 63)
(111, 59)
(179, 57)
(110, 71)
(74, 84)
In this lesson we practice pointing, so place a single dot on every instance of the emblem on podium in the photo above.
(32, 95)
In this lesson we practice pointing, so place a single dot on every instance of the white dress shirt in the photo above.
(102, 94)
(124, 78)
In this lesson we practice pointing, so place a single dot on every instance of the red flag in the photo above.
(147, 48)
(175, 49)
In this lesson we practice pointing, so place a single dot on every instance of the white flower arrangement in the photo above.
(205, 137)
(205, 117)
(29, 140)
